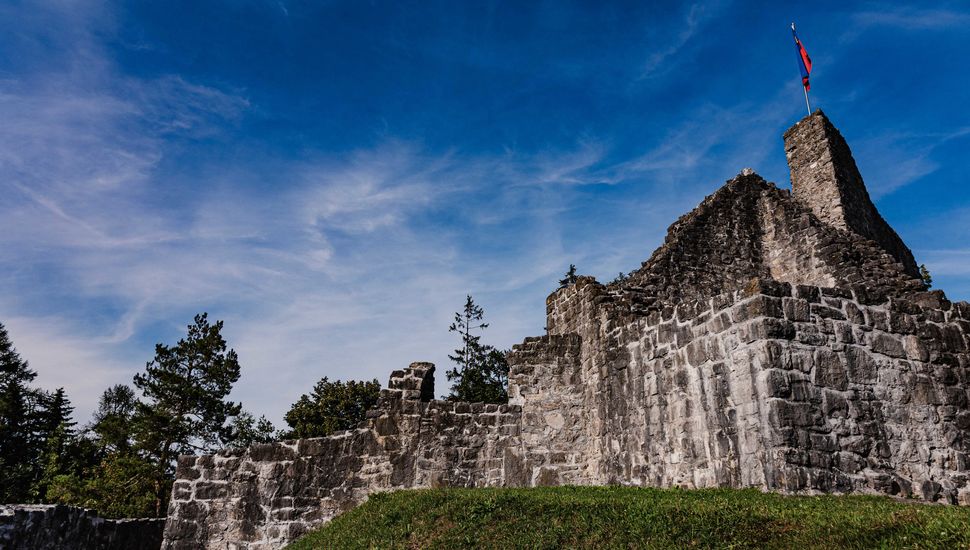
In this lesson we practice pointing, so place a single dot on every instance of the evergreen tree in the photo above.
(111, 427)
(55, 438)
(55, 413)
(19, 442)
(570, 277)
(924, 273)
(481, 374)
(185, 387)
(331, 406)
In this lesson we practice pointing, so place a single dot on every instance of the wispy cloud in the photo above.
(913, 155)
(909, 18)
(696, 17)
(906, 19)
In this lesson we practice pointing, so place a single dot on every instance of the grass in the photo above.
(626, 517)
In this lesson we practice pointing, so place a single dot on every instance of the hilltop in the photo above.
(626, 517)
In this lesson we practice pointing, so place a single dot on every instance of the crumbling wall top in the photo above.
(413, 383)
(825, 178)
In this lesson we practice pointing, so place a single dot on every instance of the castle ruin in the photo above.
(777, 340)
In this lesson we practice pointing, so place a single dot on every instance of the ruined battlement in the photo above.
(775, 340)
(825, 178)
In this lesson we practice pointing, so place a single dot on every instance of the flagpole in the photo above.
(807, 104)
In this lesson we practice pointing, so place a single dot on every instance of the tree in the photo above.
(121, 486)
(111, 427)
(247, 430)
(331, 406)
(570, 277)
(55, 414)
(19, 443)
(185, 387)
(56, 439)
(100, 467)
(924, 273)
(481, 374)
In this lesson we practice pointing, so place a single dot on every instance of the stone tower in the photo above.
(825, 178)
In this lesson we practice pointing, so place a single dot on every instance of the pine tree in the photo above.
(247, 430)
(111, 426)
(465, 322)
(19, 443)
(56, 412)
(55, 436)
(924, 273)
(620, 278)
(481, 374)
(185, 387)
(570, 277)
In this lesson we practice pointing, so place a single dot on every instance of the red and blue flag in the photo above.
(804, 62)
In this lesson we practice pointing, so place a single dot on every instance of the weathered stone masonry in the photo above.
(765, 344)
(56, 527)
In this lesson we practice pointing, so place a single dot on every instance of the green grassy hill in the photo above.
(622, 517)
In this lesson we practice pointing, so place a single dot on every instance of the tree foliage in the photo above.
(120, 485)
(331, 406)
(481, 371)
(924, 274)
(22, 425)
(570, 277)
(111, 426)
(621, 278)
(122, 463)
(185, 388)
(246, 430)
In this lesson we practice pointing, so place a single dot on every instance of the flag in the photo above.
(804, 62)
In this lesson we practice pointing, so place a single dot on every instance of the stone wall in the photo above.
(792, 389)
(782, 387)
(270, 494)
(56, 527)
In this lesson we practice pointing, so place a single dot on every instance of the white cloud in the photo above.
(64, 356)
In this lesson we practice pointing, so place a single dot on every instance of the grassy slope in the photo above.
(621, 517)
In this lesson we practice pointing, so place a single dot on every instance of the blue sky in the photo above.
(331, 178)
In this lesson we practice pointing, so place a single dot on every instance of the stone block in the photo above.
(810, 294)
(829, 370)
(787, 413)
(888, 344)
(827, 312)
(796, 309)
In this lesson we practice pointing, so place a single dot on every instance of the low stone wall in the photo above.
(268, 495)
(57, 527)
